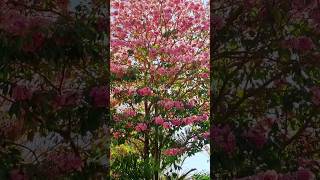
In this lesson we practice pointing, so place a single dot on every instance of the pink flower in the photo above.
(204, 75)
(100, 96)
(173, 151)
(21, 93)
(141, 127)
(161, 71)
(204, 117)
(146, 91)
(305, 174)
(224, 138)
(17, 174)
(131, 92)
(116, 135)
(257, 137)
(166, 104)
(118, 71)
(166, 125)
(258, 134)
(176, 122)
(130, 113)
(158, 120)
(205, 135)
(187, 120)
(305, 44)
(191, 103)
(169, 105)
(301, 44)
(217, 22)
(268, 175)
(117, 118)
(116, 90)
(178, 105)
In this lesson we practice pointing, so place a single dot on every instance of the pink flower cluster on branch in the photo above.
(100, 96)
(146, 91)
(258, 134)
(174, 151)
(224, 138)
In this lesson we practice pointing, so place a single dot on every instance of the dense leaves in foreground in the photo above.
(265, 89)
(53, 93)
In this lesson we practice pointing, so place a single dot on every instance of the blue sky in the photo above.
(200, 161)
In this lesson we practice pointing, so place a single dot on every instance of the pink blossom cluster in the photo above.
(21, 93)
(146, 91)
(15, 22)
(158, 120)
(195, 119)
(116, 90)
(181, 121)
(129, 113)
(300, 174)
(217, 22)
(315, 95)
(117, 118)
(100, 96)
(118, 134)
(168, 124)
(140, 127)
(301, 44)
(118, 70)
(205, 135)
(174, 151)
(224, 138)
(191, 103)
(258, 134)
(183, 15)
(203, 75)
(176, 122)
(169, 104)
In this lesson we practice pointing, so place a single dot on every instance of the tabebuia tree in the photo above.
(53, 89)
(265, 89)
(160, 85)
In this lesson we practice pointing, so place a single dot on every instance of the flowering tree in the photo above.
(159, 68)
(53, 92)
(265, 89)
